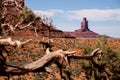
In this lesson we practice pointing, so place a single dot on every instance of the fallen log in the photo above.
(47, 59)
(59, 54)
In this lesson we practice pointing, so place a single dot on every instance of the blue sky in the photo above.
(103, 15)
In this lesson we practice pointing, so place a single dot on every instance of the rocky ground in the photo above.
(33, 51)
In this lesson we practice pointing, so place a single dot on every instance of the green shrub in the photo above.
(27, 15)
(38, 76)
(109, 58)
(87, 49)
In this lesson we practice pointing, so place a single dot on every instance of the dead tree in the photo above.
(11, 42)
(13, 3)
(26, 25)
(60, 57)
(8, 28)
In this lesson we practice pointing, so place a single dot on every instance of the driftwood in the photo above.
(14, 42)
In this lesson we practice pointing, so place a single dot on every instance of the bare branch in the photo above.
(48, 70)
(58, 55)
(36, 32)
(18, 6)
(10, 26)
(95, 51)
(51, 55)
(47, 51)
(13, 28)
(27, 25)
(88, 57)
(18, 24)
(44, 60)
(14, 42)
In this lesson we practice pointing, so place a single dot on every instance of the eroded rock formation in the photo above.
(84, 25)
(84, 31)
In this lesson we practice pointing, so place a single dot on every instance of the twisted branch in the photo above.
(14, 42)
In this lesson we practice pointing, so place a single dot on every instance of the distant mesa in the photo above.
(84, 31)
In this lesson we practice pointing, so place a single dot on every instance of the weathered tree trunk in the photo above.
(60, 54)
(41, 62)
(14, 42)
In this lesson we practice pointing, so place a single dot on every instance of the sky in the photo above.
(103, 15)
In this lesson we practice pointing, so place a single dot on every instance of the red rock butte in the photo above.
(84, 31)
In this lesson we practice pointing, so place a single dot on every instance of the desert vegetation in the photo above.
(68, 59)
(31, 48)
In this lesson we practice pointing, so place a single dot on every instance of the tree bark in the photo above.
(48, 57)
(27, 25)
(60, 54)
(14, 42)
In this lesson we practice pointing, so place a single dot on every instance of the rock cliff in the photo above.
(17, 20)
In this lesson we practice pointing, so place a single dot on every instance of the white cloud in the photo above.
(41, 13)
(48, 13)
(95, 14)
(57, 11)
(91, 14)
